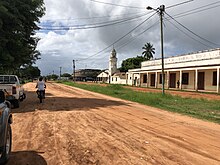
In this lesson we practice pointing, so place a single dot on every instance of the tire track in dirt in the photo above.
(76, 127)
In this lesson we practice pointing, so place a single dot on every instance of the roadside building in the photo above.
(118, 78)
(103, 77)
(112, 75)
(86, 74)
(197, 71)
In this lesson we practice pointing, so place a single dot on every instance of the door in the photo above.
(152, 80)
(201, 80)
(172, 80)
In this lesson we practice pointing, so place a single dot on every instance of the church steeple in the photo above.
(113, 62)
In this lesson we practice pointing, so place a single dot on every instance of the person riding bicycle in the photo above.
(41, 86)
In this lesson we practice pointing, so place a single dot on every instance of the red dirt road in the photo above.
(77, 127)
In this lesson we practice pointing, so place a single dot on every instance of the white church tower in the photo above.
(112, 63)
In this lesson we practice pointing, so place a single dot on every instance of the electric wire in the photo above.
(120, 38)
(119, 21)
(93, 25)
(113, 4)
(208, 46)
(96, 17)
(178, 4)
(197, 10)
(135, 37)
(202, 38)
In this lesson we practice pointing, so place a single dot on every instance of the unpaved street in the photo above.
(77, 127)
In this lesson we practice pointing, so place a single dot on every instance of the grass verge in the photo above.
(199, 108)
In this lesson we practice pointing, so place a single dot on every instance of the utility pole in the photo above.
(161, 11)
(60, 72)
(74, 70)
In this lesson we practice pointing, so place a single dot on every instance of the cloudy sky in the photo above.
(86, 30)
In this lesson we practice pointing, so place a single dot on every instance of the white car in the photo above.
(10, 84)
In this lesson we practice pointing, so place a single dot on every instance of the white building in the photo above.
(112, 75)
(196, 71)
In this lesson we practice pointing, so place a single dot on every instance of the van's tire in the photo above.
(6, 150)
(16, 103)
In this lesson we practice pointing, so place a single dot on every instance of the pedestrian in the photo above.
(178, 84)
(41, 86)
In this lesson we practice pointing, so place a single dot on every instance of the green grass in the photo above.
(199, 108)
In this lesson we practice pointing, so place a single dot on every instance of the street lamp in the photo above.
(161, 11)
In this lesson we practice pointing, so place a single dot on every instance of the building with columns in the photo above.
(195, 72)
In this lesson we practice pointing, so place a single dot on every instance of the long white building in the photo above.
(196, 72)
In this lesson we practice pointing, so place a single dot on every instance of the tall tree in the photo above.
(30, 72)
(148, 52)
(18, 25)
(131, 63)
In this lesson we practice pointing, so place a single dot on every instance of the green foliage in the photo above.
(131, 63)
(148, 52)
(198, 108)
(30, 72)
(66, 75)
(52, 77)
(18, 26)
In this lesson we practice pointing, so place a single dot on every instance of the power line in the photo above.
(137, 7)
(95, 17)
(197, 10)
(93, 25)
(208, 46)
(119, 38)
(178, 4)
(202, 38)
(113, 4)
(135, 37)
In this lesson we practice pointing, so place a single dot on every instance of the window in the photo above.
(116, 79)
(185, 78)
(130, 78)
(214, 79)
(145, 78)
(112, 79)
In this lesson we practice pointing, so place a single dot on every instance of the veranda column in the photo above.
(132, 79)
(180, 80)
(218, 88)
(168, 79)
(147, 79)
(140, 79)
(155, 79)
(196, 80)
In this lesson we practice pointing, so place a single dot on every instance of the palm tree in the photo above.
(148, 52)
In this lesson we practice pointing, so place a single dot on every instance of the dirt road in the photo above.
(77, 127)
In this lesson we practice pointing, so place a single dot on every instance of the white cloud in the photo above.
(59, 48)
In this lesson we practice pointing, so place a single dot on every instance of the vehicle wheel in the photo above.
(7, 146)
(16, 104)
(24, 96)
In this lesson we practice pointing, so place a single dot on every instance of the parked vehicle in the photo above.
(10, 84)
(5, 129)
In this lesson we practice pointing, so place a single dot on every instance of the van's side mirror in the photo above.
(2, 96)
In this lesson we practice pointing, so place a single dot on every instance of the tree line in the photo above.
(18, 25)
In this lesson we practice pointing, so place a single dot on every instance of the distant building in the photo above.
(86, 74)
(198, 71)
(118, 78)
(112, 75)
